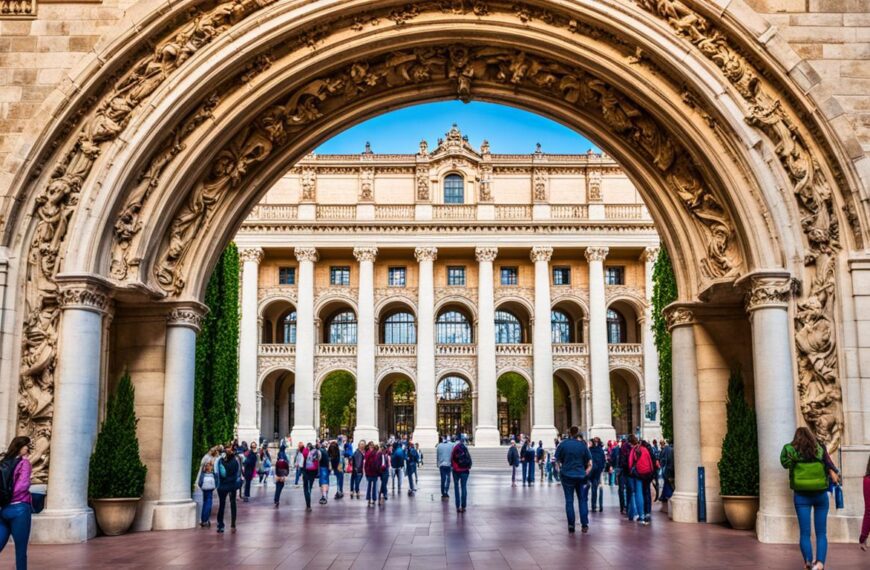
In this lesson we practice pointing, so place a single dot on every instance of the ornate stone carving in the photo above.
(307, 181)
(679, 316)
(596, 253)
(305, 254)
(767, 291)
(650, 254)
(254, 254)
(17, 9)
(541, 253)
(324, 363)
(485, 254)
(366, 184)
(186, 317)
(424, 149)
(514, 362)
(84, 296)
(426, 254)
(264, 363)
(422, 183)
(540, 184)
(464, 364)
(486, 182)
(365, 254)
(593, 185)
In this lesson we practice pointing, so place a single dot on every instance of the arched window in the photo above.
(452, 327)
(399, 328)
(452, 389)
(342, 328)
(616, 330)
(454, 189)
(508, 329)
(560, 327)
(288, 325)
(454, 406)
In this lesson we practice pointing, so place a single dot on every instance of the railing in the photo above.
(513, 212)
(336, 350)
(277, 349)
(455, 349)
(336, 212)
(454, 212)
(570, 349)
(513, 350)
(569, 211)
(625, 212)
(397, 349)
(624, 348)
(394, 212)
(265, 212)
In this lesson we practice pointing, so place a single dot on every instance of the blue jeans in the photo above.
(372, 488)
(411, 473)
(576, 486)
(812, 510)
(460, 488)
(339, 481)
(525, 472)
(594, 481)
(15, 521)
(279, 487)
(445, 481)
(207, 502)
(354, 482)
(513, 474)
(298, 475)
(637, 498)
(397, 474)
(385, 481)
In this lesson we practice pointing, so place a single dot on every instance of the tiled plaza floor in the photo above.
(504, 527)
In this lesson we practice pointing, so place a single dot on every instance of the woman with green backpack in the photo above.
(809, 469)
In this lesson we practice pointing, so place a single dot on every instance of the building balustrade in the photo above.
(273, 212)
(397, 349)
(569, 212)
(455, 349)
(277, 349)
(394, 212)
(454, 212)
(513, 212)
(626, 212)
(625, 348)
(336, 349)
(570, 349)
(336, 212)
(513, 350)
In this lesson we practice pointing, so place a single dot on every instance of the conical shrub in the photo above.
(738, 467)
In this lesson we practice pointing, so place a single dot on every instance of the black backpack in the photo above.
(463, 458)
(7, 472)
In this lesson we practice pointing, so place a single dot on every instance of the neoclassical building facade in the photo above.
(448, 268)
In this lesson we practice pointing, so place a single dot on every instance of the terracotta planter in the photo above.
(740, 511)
(115, 516)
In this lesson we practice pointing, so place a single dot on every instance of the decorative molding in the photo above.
(267, 363)
(305, 254)
(650, 254)
(363, 254)
(485, 182)
(596, 253)
(422, 254)
(86, 296)
(540, 185)
(253, 254)
(678, 317)
(641, 227)
(308, 183)
(768, 292)
(485, 254)
(366, 184)
(541, 253)
(593, 185)
(423, 182)
(17, 9)
(186, 316)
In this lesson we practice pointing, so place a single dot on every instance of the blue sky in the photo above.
(508, 130)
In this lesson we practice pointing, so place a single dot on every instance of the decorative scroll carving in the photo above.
(541, 253)
(55, 204)
(185, 317)
(426, 254)
(679, 316)
(514, 362)
(596, 253)
(265, 363)
(17, 9)
(767, 291)
(539, 184)
(422, 183)
(254, 254)
(366, 184)
(650, 254)
(486, 182)
(485, 254)
(365, 254)
(305, 254)
(593, 185)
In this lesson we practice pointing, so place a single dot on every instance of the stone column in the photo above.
(587, 412)
(599, 363)
(248, 429)
(303, 430)
(651, 429)
(767, 305)
(687, 415)
(486, 433)
(175, 509)
(365, 348)
(544, 428)
(425, 430)
(67, 518)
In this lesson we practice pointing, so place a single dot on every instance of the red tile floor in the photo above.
(504, 527)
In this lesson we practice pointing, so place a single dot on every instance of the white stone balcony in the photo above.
(625, 348)
(513, 350)
(394, 212)
(336, 212)
(397, 350)
(569, 212)
(336, 349)
(277, 349)
(570, 349)
(454, 212)
(455, 349)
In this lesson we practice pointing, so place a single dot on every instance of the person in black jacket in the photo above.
(513, 459)
(597, 452)
(229, 472)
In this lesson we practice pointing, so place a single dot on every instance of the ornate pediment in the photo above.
(455, 144)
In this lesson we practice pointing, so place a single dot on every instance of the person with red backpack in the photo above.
(310, 471)
(460, 461)
(642, 467)
(372, 472)
(16, 507)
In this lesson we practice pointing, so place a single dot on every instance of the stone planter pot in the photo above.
(740, 511)
(115, 516)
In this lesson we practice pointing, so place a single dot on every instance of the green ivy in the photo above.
(217, 359)
(337, 402)
(116, 470)
(738, 467)
(515, 390)
(664, 293)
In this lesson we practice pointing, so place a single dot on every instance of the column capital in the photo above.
(485, 254)
(87, 292)
(188, 315)
(305, 254)
(768, 290)
(650, 254)
(677, 316)
(365, 253)
(596, 253)
(426, 254)
(254, 254)
(541, 253)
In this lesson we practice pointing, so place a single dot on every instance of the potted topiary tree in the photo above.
(117, 474)
(738, 467)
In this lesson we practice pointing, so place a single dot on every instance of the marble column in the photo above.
(587, 412)
(365, 429)
(486, 434)
(544, 428)
(303, 429)
(176, 509)
(67, 518)
(248, 429)
(599, 362)
(767, 305)
(687, 414)
(425, 430)
(651, 429)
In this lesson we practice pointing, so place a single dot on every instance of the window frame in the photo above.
(446, 332)
(404, 272)
(335, 270)
(560, 269)
(460, 268)
(614, 270)
(508, 327)
(453, 198)
(348, 327)
(290, 271)
(566, 327)
(406, 329)
(516, 275)
(621, 324)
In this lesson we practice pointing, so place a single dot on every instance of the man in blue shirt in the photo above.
(575, 460)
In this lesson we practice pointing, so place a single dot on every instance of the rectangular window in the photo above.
(286, 276)
(614, 275)
(509, 275)
(396, 276)
(561, 276)
(456, 276)
(339, 275)
(454, 189)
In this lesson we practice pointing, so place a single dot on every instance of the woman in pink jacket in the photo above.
(15, 507)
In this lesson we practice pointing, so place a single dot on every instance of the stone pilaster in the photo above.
(425, 430)
(652, 429)
(249, 335)
(599, 360)
(544, 428)
(365, 351)
(486, 434)
(303, 429)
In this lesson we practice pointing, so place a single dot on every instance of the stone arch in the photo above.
(394, 300)
(326, 372)
(576, 310)
(268, 300)
(270, 370)
(460, 300)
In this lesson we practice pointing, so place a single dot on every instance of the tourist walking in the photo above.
(207, 483)
(865, 525)
(310, 471)
(625, 484)
(642, 467)
(372, 470)
(323, 472)
(250, 468)
(384, 470)
(397, 464)
(299, 463)
(337, 464)
(530, 456)
(460, 462)
(666, 460)
(411, 469)
(16, 505)
(575, 460)
(357, 463)
(282, 471)
(541, 459)
(809, 470)
(596, 451)
(229, 480)
(264, 464)
(442, 455)
(513, 459)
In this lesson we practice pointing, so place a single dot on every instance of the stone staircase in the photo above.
(483, 458)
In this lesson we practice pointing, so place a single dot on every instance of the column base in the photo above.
(487, 436)
(305, 434)
(174, 515)
(249, 434)
(604, 432)
(63, 527)
(546, 434)
(683, 507)
(777, 529)
(427, 437)
(365, 433)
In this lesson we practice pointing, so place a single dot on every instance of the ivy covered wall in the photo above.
(664, 293)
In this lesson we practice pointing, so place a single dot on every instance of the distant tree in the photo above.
(338, 401)
(514, 388)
